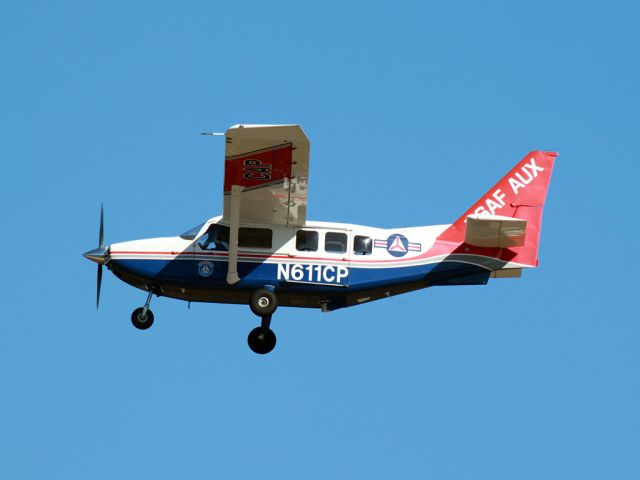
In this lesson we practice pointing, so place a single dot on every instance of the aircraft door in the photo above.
(336, 248)
(211, 253)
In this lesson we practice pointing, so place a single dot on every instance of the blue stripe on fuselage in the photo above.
(185, 273)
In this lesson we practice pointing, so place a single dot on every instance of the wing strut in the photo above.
(234, 225)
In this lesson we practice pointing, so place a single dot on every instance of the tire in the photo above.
(138, 322)
(261, 340)
(263, 302)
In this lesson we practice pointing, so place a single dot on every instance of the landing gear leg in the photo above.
(142, 317)
(261, 339)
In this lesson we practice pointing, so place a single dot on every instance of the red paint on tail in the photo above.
(521, 193)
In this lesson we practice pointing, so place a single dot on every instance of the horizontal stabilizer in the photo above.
(495, 231)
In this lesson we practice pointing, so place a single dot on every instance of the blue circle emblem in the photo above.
(205, 269)
(397, 245)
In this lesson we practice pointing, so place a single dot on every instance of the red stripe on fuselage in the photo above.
(279, 257)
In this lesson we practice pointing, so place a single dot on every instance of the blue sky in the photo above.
(414, 109)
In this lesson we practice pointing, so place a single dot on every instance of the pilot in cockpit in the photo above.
(215, 238)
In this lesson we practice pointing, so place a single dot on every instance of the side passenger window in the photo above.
(335, 242)
(306, 241)
(362, 245)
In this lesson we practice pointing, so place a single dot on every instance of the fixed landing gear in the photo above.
(264, 303)
(142, 317)
(261, 339)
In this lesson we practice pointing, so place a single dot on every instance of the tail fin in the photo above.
(519, 194)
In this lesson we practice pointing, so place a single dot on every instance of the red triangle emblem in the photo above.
(397, 246)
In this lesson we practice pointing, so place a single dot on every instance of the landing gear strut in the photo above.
(263, 303)
(142, 317)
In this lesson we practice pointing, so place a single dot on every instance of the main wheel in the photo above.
(142, 322)
(261, 340)
(263, 302)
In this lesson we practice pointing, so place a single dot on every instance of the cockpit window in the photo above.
(191, 234)
(215, 238)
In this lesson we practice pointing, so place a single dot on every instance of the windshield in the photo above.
(191, 234)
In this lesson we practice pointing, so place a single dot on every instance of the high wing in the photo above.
(267, 167)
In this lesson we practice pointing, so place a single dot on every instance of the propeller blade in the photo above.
(101, 238)
(99, 285)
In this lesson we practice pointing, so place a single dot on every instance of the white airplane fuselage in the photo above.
(345, 265)
(264, 253)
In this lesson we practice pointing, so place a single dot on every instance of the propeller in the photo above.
(99, 255)
(100, 246)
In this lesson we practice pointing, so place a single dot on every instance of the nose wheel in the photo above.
(141, 320)
(142, 317)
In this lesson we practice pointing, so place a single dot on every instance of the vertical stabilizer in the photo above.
(520, 194)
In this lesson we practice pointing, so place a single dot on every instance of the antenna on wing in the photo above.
(213, 134)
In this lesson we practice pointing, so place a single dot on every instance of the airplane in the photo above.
(263, 252)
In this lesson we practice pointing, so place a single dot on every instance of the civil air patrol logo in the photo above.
(205, 269)
(397, 245)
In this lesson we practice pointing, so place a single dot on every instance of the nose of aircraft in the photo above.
(98, 255)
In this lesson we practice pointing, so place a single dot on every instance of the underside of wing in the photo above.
(271, 165)
(495, 231)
